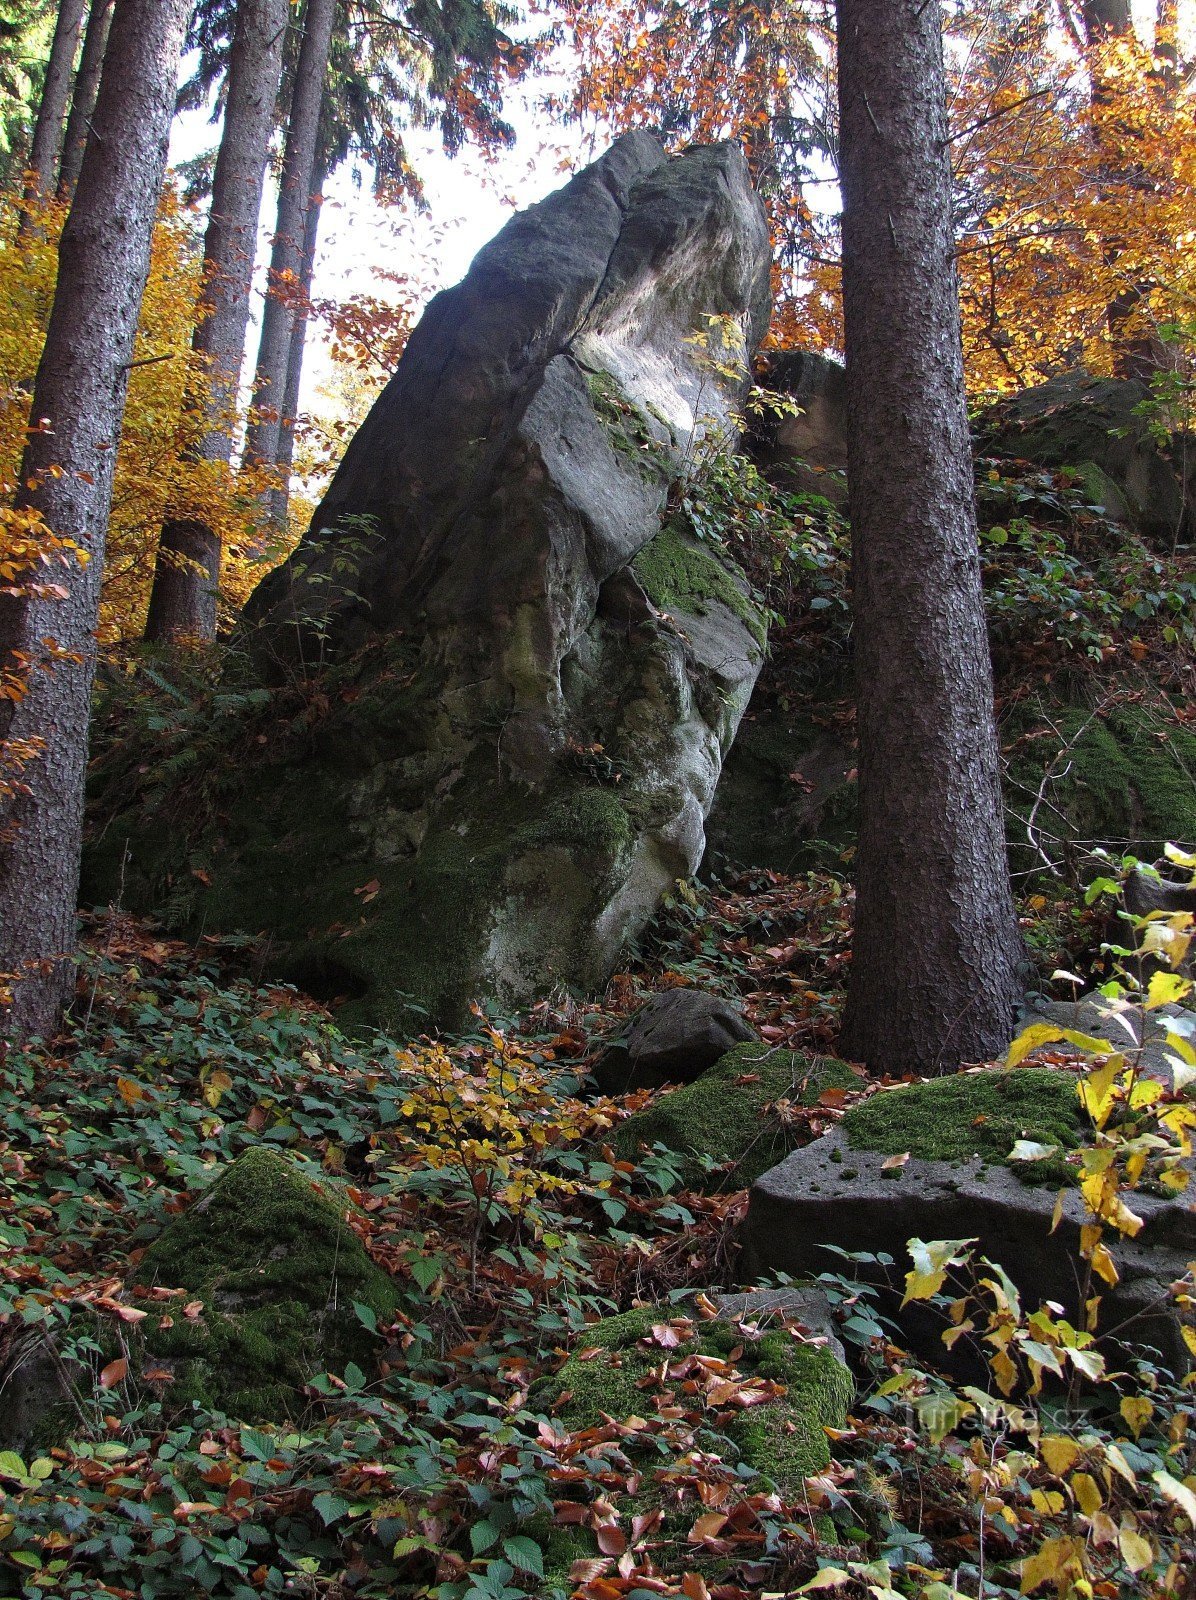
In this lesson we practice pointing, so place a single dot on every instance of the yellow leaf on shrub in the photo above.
(1059, 1562)
(1178, 1494)
(1137, 1411)
(1087, 1492)
(1059, 1452)
(1166, 989)
(1136, 1551)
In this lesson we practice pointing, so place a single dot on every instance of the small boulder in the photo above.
(678, 1035)
(277, 1269)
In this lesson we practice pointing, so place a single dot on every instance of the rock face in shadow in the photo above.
(530, 676)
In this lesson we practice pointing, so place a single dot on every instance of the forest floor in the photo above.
(482, 1178)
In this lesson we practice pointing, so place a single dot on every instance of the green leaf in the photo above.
(330, 1508)
(482, 1535)
(366, 1315)
(525, 1554)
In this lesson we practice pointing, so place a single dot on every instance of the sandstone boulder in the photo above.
(523, 677)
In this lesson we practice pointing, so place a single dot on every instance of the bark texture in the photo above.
(281, 495)
(51, 113)
(187, 573)
(299, 172)
(935, 972)
(80, 391)
(83, 102)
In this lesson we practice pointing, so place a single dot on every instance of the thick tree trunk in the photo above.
(280, 497)
(83, 102)
(78, 405)
(935, 968)
(294, 194)
(187, 574)
(51, 113)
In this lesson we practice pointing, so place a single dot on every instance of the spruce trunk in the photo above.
(295, 190)
(187, 572)
(51, 113)
(66, 476)
(83, 102)
(935, 968)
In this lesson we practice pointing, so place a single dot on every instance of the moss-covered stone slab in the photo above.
(722, 1117)
(278, 1269)
(957, 1185)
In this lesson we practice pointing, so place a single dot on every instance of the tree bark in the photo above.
(294, 194)
(187, 573)
(66, 476)
(280, 496)
(83, 102)
(935, 967)
(47, 131)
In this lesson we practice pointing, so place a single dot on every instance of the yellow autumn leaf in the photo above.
(1059, 1453)
(1059, 1561)
(1137, 1411)
(1166, 989)
(1178, 1494)
(1087, 1492)
(1137, 1552)
(1040, 1033)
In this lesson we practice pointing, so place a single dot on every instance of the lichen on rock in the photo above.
(276, 1268)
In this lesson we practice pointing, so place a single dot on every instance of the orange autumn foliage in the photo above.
(155, 476)
(1075, 167)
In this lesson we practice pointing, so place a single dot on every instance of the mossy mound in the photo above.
(972, 1114)
(278, 1271)
(721, 1116)
(783, 1439)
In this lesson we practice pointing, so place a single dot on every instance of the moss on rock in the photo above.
(721, 1116)
(278, 1270)
(971, 1114)
(677, 574)
(783, 1439)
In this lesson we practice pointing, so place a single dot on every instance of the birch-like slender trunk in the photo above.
(935, 963)
(280, 497)
(66, 476)
(187, 572)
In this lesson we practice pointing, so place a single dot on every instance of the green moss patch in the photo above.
(278, 1271)
(783, 1438)
(1126, 778)
(972, 1114)
(721, 1115)
(677, 574)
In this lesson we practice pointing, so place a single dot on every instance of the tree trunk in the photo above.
(47, 131)
(187, 574)
(935, 969)
(83, 103)
(294, 192)
(78, 406)
(280, 497)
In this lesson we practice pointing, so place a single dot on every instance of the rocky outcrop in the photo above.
(1097, 427)
(525, 676)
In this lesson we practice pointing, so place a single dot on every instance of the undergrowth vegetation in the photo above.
(481, 1177)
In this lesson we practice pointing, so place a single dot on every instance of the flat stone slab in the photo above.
(831, 1194)
(1127, 1027)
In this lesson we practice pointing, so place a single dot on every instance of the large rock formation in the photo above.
(535, 674)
